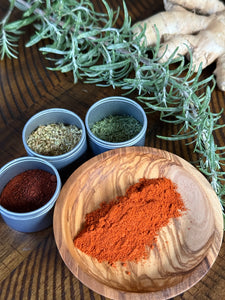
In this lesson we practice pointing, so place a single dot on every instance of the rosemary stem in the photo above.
(7, 16)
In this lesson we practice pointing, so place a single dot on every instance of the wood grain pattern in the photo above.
(185, 249)
(30, 264)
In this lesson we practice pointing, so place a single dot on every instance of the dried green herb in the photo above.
(54, 139)
(116, 128)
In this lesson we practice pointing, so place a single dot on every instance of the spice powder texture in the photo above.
(28, 191)
(124, 228)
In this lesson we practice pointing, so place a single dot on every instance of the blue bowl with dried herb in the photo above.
(115, 122)
(57, 135)
(29, 188)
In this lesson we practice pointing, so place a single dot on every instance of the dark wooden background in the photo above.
(30, 265)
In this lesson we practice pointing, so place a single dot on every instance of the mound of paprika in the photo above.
(122, 229)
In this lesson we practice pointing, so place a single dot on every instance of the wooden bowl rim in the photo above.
(196, 274)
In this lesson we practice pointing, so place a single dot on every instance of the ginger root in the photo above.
(205, 7)
(203, 35)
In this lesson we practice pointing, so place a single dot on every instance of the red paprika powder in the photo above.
(123, 229)
(28, 191)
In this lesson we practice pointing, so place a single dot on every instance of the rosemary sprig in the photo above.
(88, 44)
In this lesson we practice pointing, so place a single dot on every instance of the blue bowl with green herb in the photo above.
(115, 122)
(57, 135)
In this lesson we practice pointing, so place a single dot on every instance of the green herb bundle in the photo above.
(88, 44)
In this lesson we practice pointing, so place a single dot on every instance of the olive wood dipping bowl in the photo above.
(185, 249)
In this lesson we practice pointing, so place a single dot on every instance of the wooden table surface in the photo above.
(30, 264)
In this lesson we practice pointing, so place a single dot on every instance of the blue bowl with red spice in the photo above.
(29, 188)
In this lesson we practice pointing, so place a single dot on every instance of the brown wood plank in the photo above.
(30, 264)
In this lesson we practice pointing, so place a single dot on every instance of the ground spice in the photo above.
(28, 191)
(124, 228)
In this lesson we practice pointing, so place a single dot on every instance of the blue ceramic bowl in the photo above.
(56, 115)
(38, 219)
(112, 106)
